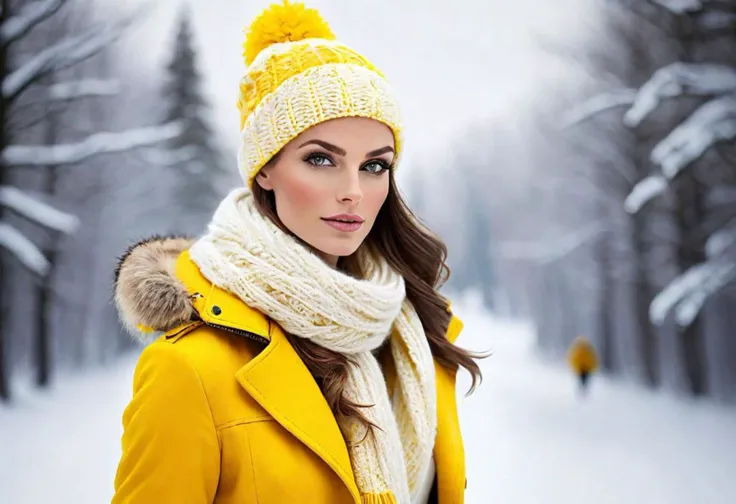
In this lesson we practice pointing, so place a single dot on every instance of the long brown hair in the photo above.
(419, 256)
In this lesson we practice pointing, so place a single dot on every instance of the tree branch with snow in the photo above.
(673, 80)
(679, 79)
(643, 192)
(37, 211)
(163, 157)
(30, 15)
(58, 92)
(680, 6)
(23, 249)
(693, 301)
(96, 144)
(713, 122)
(720, 241)
(84, 88)
(61, 55)
(687, 293)
(597, 104)
(550, 252)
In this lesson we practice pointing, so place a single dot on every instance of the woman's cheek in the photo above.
(375, 196)
(304, 194)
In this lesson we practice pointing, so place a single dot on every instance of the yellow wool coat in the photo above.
(582, 356)
(224, 411)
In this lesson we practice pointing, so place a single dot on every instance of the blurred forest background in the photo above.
(93, 154)
(622, 226)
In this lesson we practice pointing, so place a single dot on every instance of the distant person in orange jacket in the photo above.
(583, 360)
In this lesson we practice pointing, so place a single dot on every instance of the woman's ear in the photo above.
(264, 180)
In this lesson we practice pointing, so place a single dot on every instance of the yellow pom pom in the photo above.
(285, 22)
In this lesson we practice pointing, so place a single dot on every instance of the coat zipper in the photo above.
(245, 334)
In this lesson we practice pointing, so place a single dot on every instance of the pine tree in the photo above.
(197, 164)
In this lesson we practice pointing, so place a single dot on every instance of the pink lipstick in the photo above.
(347, 223)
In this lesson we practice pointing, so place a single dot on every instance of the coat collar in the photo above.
(217, 307)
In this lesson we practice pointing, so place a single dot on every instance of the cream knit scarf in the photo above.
(246, 254)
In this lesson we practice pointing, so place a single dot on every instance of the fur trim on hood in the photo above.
(148, 296)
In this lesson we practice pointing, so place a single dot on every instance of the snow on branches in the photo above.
(37, 211)
(678, 79)
(23, 249)
(713, 122)
(95, 144)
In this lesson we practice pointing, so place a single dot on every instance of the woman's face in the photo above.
(330, 182)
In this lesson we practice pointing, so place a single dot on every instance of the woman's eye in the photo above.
(319, 160)
(375, 167)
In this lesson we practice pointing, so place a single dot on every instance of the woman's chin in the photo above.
(338, 248)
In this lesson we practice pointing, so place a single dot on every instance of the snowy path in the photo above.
(63, 449)
(528, 439)
(531, 441)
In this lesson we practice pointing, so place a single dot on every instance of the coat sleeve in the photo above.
(170, 448)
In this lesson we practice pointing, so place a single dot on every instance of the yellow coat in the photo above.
(582, 356)
(224, 411)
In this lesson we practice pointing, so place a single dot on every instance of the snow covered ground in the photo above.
(529, 439)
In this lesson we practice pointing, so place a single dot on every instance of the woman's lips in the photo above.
(347, 223)
(344, 226)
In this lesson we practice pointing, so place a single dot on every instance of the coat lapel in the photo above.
(449, 452)
(281, 383)
(448, 448)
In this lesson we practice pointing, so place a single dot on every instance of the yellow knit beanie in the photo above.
(297, 76)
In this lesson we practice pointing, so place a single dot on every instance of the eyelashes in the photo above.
(320, 159)
(312, 158)
(380, 162)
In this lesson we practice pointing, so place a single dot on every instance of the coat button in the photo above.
(216, 310)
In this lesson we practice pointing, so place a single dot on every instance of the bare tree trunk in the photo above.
(643, 288)
(565, 315)
(43, 328)
(43, 346)
(689, 215)
(540, 295)
(100, 345)
(4, 364)
(690, 252)
(644, 294)
(94, 345)
(606, 308)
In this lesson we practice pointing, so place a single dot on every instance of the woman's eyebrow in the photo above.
(380, 151)
(332, 148)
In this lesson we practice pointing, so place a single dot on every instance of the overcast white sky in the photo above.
(449, 62)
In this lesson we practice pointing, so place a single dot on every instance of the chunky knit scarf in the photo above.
(246, 254)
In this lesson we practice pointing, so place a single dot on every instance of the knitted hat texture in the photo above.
(299, 75)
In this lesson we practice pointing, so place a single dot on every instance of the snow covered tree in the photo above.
(618, 159)
(196, 161)
(27, 78)
(698, 90)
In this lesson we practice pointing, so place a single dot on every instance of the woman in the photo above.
(306, 354)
